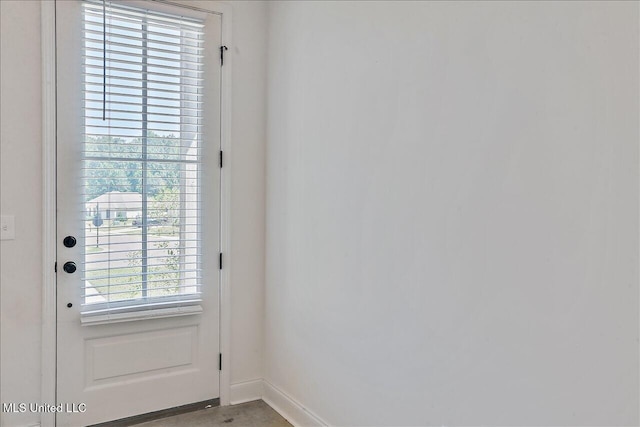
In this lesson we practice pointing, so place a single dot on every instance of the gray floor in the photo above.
(252, 414)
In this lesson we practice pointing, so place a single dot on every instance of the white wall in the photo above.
(21, 195)
(452, 212)
(20, 290)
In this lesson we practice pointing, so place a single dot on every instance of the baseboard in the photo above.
(246, 391)
(289, 408)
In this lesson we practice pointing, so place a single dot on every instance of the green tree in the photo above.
(108, 168)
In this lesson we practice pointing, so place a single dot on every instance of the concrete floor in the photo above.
(252, 414)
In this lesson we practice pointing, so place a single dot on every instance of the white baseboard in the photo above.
(290, 409)
(246, 391)
(282, 403)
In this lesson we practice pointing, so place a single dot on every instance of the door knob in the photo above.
(69, 241)
(69, 267)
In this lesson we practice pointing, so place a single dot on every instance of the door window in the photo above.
(142, 142)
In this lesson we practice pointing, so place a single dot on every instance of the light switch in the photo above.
(7, 227)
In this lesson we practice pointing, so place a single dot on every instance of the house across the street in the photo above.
(115, 204)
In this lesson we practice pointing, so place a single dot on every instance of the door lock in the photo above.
(69, 267)
(69, 241)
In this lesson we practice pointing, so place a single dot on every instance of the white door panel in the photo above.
(138, 320)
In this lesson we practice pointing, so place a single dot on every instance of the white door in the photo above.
(138, 179)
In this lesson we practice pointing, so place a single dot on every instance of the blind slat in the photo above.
(119, 29)
(99, 52)
(151, 68)
(136, 89)
(150, 74)
(134, 118)
(160, 52)
(122, 24)
(153, 113)
(141, 81)
(98, 33)
(123, 13)
(117, 252)
(141, 97)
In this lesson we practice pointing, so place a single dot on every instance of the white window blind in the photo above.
(142, 142)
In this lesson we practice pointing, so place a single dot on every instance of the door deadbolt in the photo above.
(69, 267)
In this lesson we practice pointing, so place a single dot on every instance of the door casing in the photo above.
(49, 221)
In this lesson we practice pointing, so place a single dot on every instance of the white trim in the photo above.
(246, 391)
(158, 313)
(225, 212)
(48, 338)
(289, 408)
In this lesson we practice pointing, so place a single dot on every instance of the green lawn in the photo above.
(125, 282)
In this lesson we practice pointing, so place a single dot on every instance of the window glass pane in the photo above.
(142, 156)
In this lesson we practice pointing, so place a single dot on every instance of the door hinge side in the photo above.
(220, 261)
(55, 267)
(220, 158)
(219, 361)
(222, 49)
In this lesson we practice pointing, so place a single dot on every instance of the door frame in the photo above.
(49, 217)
